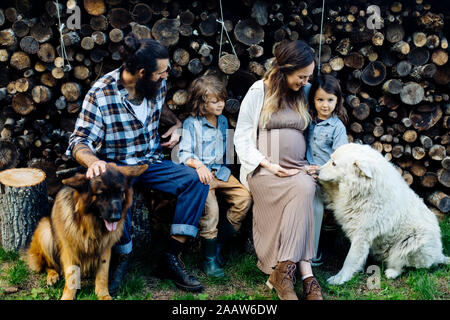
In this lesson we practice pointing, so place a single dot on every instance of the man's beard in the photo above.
(147, 88)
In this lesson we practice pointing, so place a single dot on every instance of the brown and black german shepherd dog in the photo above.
(85, 222)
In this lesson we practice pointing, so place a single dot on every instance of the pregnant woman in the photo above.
(270, 143)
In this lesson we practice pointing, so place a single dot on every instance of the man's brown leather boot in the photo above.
(282, 279)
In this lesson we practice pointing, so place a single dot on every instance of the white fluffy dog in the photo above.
(378, 212)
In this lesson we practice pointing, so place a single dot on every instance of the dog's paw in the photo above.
(68, 294)
(392, 273)
(52, 278)
(337, 279)
(107, 297)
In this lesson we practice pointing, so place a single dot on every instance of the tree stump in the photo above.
(23, 201)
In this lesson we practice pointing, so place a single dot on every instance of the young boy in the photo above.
(202, 147)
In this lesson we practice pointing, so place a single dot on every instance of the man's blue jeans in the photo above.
(181, 181)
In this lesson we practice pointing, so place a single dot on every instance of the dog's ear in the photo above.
(132, 171)
(78, 181)
(363, 169)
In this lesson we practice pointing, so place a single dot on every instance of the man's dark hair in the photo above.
(139, 54)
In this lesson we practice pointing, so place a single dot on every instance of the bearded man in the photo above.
(119, 123)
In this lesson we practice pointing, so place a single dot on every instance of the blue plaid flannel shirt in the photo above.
(109, 127)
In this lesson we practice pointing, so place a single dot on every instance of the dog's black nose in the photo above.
(115, 216)
(115, 211)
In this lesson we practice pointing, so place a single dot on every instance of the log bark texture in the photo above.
(23, 201)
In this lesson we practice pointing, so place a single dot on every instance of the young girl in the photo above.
(202, 147)
(326, 133)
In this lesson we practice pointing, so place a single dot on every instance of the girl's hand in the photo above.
(312, 170)
(204, 175)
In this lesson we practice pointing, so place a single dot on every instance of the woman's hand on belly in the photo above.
(278, 170)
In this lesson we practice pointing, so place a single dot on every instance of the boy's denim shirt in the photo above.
(324, 138)
(201, 141)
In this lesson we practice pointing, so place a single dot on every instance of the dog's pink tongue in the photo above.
(111, 226)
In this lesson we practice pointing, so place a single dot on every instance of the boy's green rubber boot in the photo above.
(226, 232)
(210, 265)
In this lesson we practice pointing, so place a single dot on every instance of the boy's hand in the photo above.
(204, 174)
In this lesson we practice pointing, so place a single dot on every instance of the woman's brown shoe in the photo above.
(282, 279)
(312, 289)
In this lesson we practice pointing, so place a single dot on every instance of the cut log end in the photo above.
(412, 93)
(249, 32)
(22, 177)
(374, 73)
(229, 63)
(440, 200)
(166, 31)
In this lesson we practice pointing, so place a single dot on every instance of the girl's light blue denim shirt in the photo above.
(324, 138)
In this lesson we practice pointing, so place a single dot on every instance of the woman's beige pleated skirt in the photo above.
(283, 218)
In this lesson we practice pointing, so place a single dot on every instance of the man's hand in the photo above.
(84, 156)
(174, 137)
(96, 169)
(167, 116)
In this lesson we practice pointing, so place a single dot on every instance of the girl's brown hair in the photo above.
(203, 88)
(288, 58)
(330, 85)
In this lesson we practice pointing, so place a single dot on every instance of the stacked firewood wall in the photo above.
(394, 73)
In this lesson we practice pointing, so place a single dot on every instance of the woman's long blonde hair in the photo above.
(288, 58)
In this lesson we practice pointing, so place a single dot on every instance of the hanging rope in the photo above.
(320, 39)
(221, 32)
(64, 56)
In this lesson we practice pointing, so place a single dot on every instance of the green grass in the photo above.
(191, 296)
(7, 256)
(17, 274)
(244, 269)
(165, 284)
(445, 233)
(133, 288)
(240, 296)
(242, 281)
